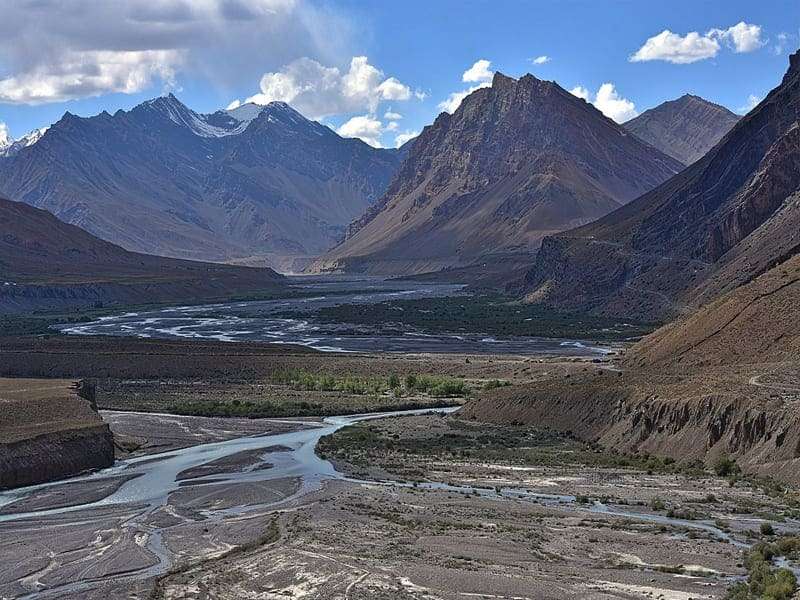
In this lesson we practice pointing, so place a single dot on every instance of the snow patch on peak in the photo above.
(245, 112)
(11, 147)
(5, 137)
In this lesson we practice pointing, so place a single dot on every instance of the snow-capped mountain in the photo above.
(11, 147)
(254, 184)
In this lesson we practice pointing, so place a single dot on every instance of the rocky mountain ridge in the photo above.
(515, 162)
(720, 223)
(685, 128)
(253, 182)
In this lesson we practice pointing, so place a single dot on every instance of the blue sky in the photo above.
(358, 65)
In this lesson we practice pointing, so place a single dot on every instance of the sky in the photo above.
(381, 70)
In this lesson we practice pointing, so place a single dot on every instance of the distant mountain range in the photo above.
(729, 217)
(515, 162)
(48, 264)
(684, 129)
(257, 184)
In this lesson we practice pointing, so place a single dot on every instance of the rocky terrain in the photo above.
(722, 381)
(726, 219)
(50, 430)
(685, 128)
(48, 264)
(514, 163)
(259, 185)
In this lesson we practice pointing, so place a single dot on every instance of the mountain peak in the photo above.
(685, 128)
(501, 80)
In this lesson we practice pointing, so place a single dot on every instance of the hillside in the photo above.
(45, 263)
(685, 128)
(720, 223)
(515, 162)
(253, 184)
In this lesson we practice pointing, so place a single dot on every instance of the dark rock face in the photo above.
(50, 430)
(515, 162)
(50, 457)
(725, 219)
(684, 129)
(162, 179)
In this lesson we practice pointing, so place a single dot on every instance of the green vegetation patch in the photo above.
(489, 314)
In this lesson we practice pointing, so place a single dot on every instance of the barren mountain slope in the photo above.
(720, 223)
(515, 162)
(684, 129)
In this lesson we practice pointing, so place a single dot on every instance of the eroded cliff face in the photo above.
(51, 430)
(637, 414)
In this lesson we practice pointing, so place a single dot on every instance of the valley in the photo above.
(323, 331)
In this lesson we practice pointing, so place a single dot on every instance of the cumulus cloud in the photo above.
(390, 115)
(581, 92)
(693, 47)
(365, 128)
(404, 137)
(608, 101)
(319, 91)
(480, 73)
(742, 37)
(541, 60)
(54, 50)
(677, 49)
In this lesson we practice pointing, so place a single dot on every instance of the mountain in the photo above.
(46, 263)
(11, 147)
(684, 129)
(729, 217)
(515, 162)
(261, 183)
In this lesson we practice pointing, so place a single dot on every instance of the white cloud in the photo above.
(478, 72)
(742, 37)
(677, 49)
(233, 105)
(92, 73)
(541, 60)
(609, 102)
(54, 50)
(392, 116)
(392, 89)
(392, 126)
(780, 44)
(365, 128)
(693, 47)
(318, 91)
(404, 137)
(752, 102)
(581, 92)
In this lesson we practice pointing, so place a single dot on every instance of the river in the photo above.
(261, 321)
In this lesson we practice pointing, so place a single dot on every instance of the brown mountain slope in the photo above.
(684, 129)
(515, 162)
(45, 263)
(755, 323)
(721, 222)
